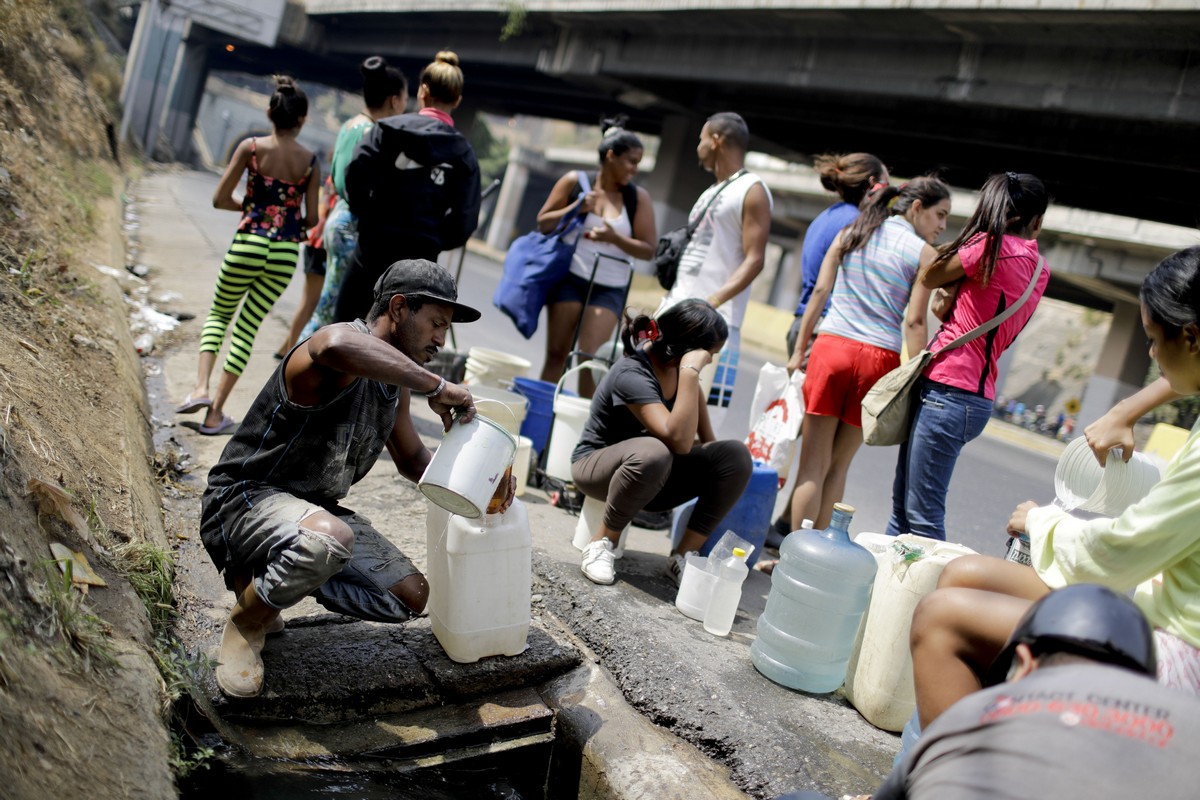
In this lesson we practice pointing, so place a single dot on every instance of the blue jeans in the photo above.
(946, 419)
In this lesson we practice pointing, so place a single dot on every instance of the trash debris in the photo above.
(53, 500)
(144, 344)
(76, 564)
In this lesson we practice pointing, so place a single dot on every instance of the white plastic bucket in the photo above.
(1081, 483)
(517, 405)
(465, 471)
(695, 588)
(570, 416)
(591, 517)
(521, 463)
(489, 367)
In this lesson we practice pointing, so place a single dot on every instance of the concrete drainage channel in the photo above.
(571, 737)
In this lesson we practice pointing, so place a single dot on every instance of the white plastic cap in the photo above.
(806, 524)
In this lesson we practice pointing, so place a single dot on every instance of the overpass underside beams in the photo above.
(1104, 105)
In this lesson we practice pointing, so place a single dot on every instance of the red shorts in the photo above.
(840, 373)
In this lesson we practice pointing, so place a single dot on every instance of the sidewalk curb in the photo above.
(1029, 441)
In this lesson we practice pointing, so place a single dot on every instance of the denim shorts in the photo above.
(573, 289)
(290, 562)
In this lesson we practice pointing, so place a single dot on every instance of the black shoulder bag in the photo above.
(672, 243)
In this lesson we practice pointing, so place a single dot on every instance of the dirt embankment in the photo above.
(81, 699)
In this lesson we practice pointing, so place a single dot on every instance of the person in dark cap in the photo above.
(270, 518)
(1072, 710)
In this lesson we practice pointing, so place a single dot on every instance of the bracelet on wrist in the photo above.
(689, 366)
(441, 385)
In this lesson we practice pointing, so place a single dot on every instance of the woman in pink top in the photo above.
(980, 274)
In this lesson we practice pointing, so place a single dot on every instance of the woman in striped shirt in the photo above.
(871, 269)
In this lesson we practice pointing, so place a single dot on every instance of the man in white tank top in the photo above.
(727, 251)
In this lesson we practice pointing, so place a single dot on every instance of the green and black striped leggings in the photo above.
(257, 269)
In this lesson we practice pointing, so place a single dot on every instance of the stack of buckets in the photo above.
(490, 374)
(552, 406)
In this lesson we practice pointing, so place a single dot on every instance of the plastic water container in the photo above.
(695, 588)
(591, 517)
(819, 593)
(1081, 483)
(879, 681)
(489, 367)
(726, 594)
(517, 406)
(466, 469)
(479, 575)
(570, 415)
(750, 517)
(541, 410)
(522, 463)
(908, 738)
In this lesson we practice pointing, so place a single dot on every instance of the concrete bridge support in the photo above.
(1121, 369)
(677, 179)
(503, 227)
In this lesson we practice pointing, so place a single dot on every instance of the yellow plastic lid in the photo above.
(739, 552)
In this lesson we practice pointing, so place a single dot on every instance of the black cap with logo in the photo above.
(416, 277)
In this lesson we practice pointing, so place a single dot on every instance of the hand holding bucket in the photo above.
(1081, 483)
(470, 466)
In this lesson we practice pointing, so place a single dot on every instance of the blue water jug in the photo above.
(819, 592)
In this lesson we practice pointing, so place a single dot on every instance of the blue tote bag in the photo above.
(535, 263)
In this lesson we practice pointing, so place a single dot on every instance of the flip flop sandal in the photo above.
(226, 424)
(191, 405)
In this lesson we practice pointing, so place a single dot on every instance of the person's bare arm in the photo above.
(756, 226)
(312, 198)
(409, 453)
(677, 428)
(816, 301)
(336, 355)
(645, 236)
(559, 203)
(947, 271)
(223, 195)
(916, 333)
(1115, 428)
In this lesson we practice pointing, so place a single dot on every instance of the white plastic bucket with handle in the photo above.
(489, 367)
(1081, 483)
(518, 405)
(570, 416)
(469, 464)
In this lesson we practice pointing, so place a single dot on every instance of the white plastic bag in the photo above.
(776, 414)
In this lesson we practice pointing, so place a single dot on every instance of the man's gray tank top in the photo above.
(312, 452)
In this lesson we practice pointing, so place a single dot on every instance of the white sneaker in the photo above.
(598, 562)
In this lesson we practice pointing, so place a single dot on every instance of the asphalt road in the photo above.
(991, 478)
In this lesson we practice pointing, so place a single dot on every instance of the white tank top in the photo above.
(608, 272)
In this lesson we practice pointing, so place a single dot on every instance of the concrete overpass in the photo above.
(1101, 98)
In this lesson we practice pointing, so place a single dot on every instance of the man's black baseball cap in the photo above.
(416, 277)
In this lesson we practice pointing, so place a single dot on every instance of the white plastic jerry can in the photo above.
(879, 681)
(479, 573)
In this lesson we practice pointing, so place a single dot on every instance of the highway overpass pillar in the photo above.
(508, 204)
(677, 179)
(1121, 368)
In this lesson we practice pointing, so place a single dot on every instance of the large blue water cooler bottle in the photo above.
(819, 592)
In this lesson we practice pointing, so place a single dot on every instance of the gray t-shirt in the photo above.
(1071, 730)
(631, 381)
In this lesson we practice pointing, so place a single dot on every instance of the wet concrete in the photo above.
(657, 708)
